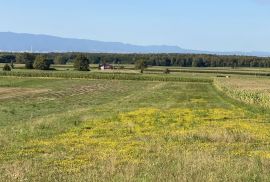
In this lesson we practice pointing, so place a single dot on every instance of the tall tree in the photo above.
(28, 60)
(42, 63)
(81, 63)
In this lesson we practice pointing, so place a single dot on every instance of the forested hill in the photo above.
(44, 43)
(17, 42)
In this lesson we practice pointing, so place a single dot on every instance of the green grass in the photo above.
(55, 129)
(202, 71)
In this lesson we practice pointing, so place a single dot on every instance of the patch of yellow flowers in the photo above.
(146, 132)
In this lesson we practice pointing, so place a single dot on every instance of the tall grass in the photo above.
(245, 90)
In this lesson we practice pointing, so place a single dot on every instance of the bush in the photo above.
(60, 60)
(42, 63)
(29, 64)
(81, 63)
(141, 65)
(28, 60)
(166, 71)
(6, 67)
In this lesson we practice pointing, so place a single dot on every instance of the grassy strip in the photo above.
(212, 71)
(107, 76)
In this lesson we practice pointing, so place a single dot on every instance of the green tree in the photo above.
(20, 59)
(81, 63)
(28, 60)
(7, 58)
(60, 60)
(42, 63)
(6, 67)
(167, 62)
(234, 63)
(195, 63)
(141, 65)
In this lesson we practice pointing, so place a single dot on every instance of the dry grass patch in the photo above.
(9, 92)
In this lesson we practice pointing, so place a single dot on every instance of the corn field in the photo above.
(107, 76)
(250, 91)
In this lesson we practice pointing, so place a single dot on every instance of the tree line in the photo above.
(181, 60)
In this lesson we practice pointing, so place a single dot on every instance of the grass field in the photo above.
(202, 71)
(55, 129)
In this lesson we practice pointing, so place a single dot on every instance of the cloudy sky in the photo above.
(214, 25)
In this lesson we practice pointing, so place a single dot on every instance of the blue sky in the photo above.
(215, 25)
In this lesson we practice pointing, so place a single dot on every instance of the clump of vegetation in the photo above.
(12, 64)
(81, 63)
(141, 65)
(42, 63)
(166, 71)
(60, 60)
(19, 59)
(28, 60)
(29, 64)
(6, 67)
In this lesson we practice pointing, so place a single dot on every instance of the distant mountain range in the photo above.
(22, 42)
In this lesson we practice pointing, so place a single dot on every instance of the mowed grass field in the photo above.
(118, 130)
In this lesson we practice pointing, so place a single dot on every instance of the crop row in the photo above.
(252, 73)
(248, 96)
(107, 76)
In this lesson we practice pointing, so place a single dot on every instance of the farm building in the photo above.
(105, 67)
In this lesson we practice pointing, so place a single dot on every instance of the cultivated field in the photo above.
(253, 91)
(131, 127)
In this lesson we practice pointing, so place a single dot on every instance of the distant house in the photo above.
(105, 67)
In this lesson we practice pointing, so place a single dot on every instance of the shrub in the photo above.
(81, 63)
(141, 65)
(29, 64)
(6, 67)
(28, 60)
(60, 60)
(166, 71)
(42, 63)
